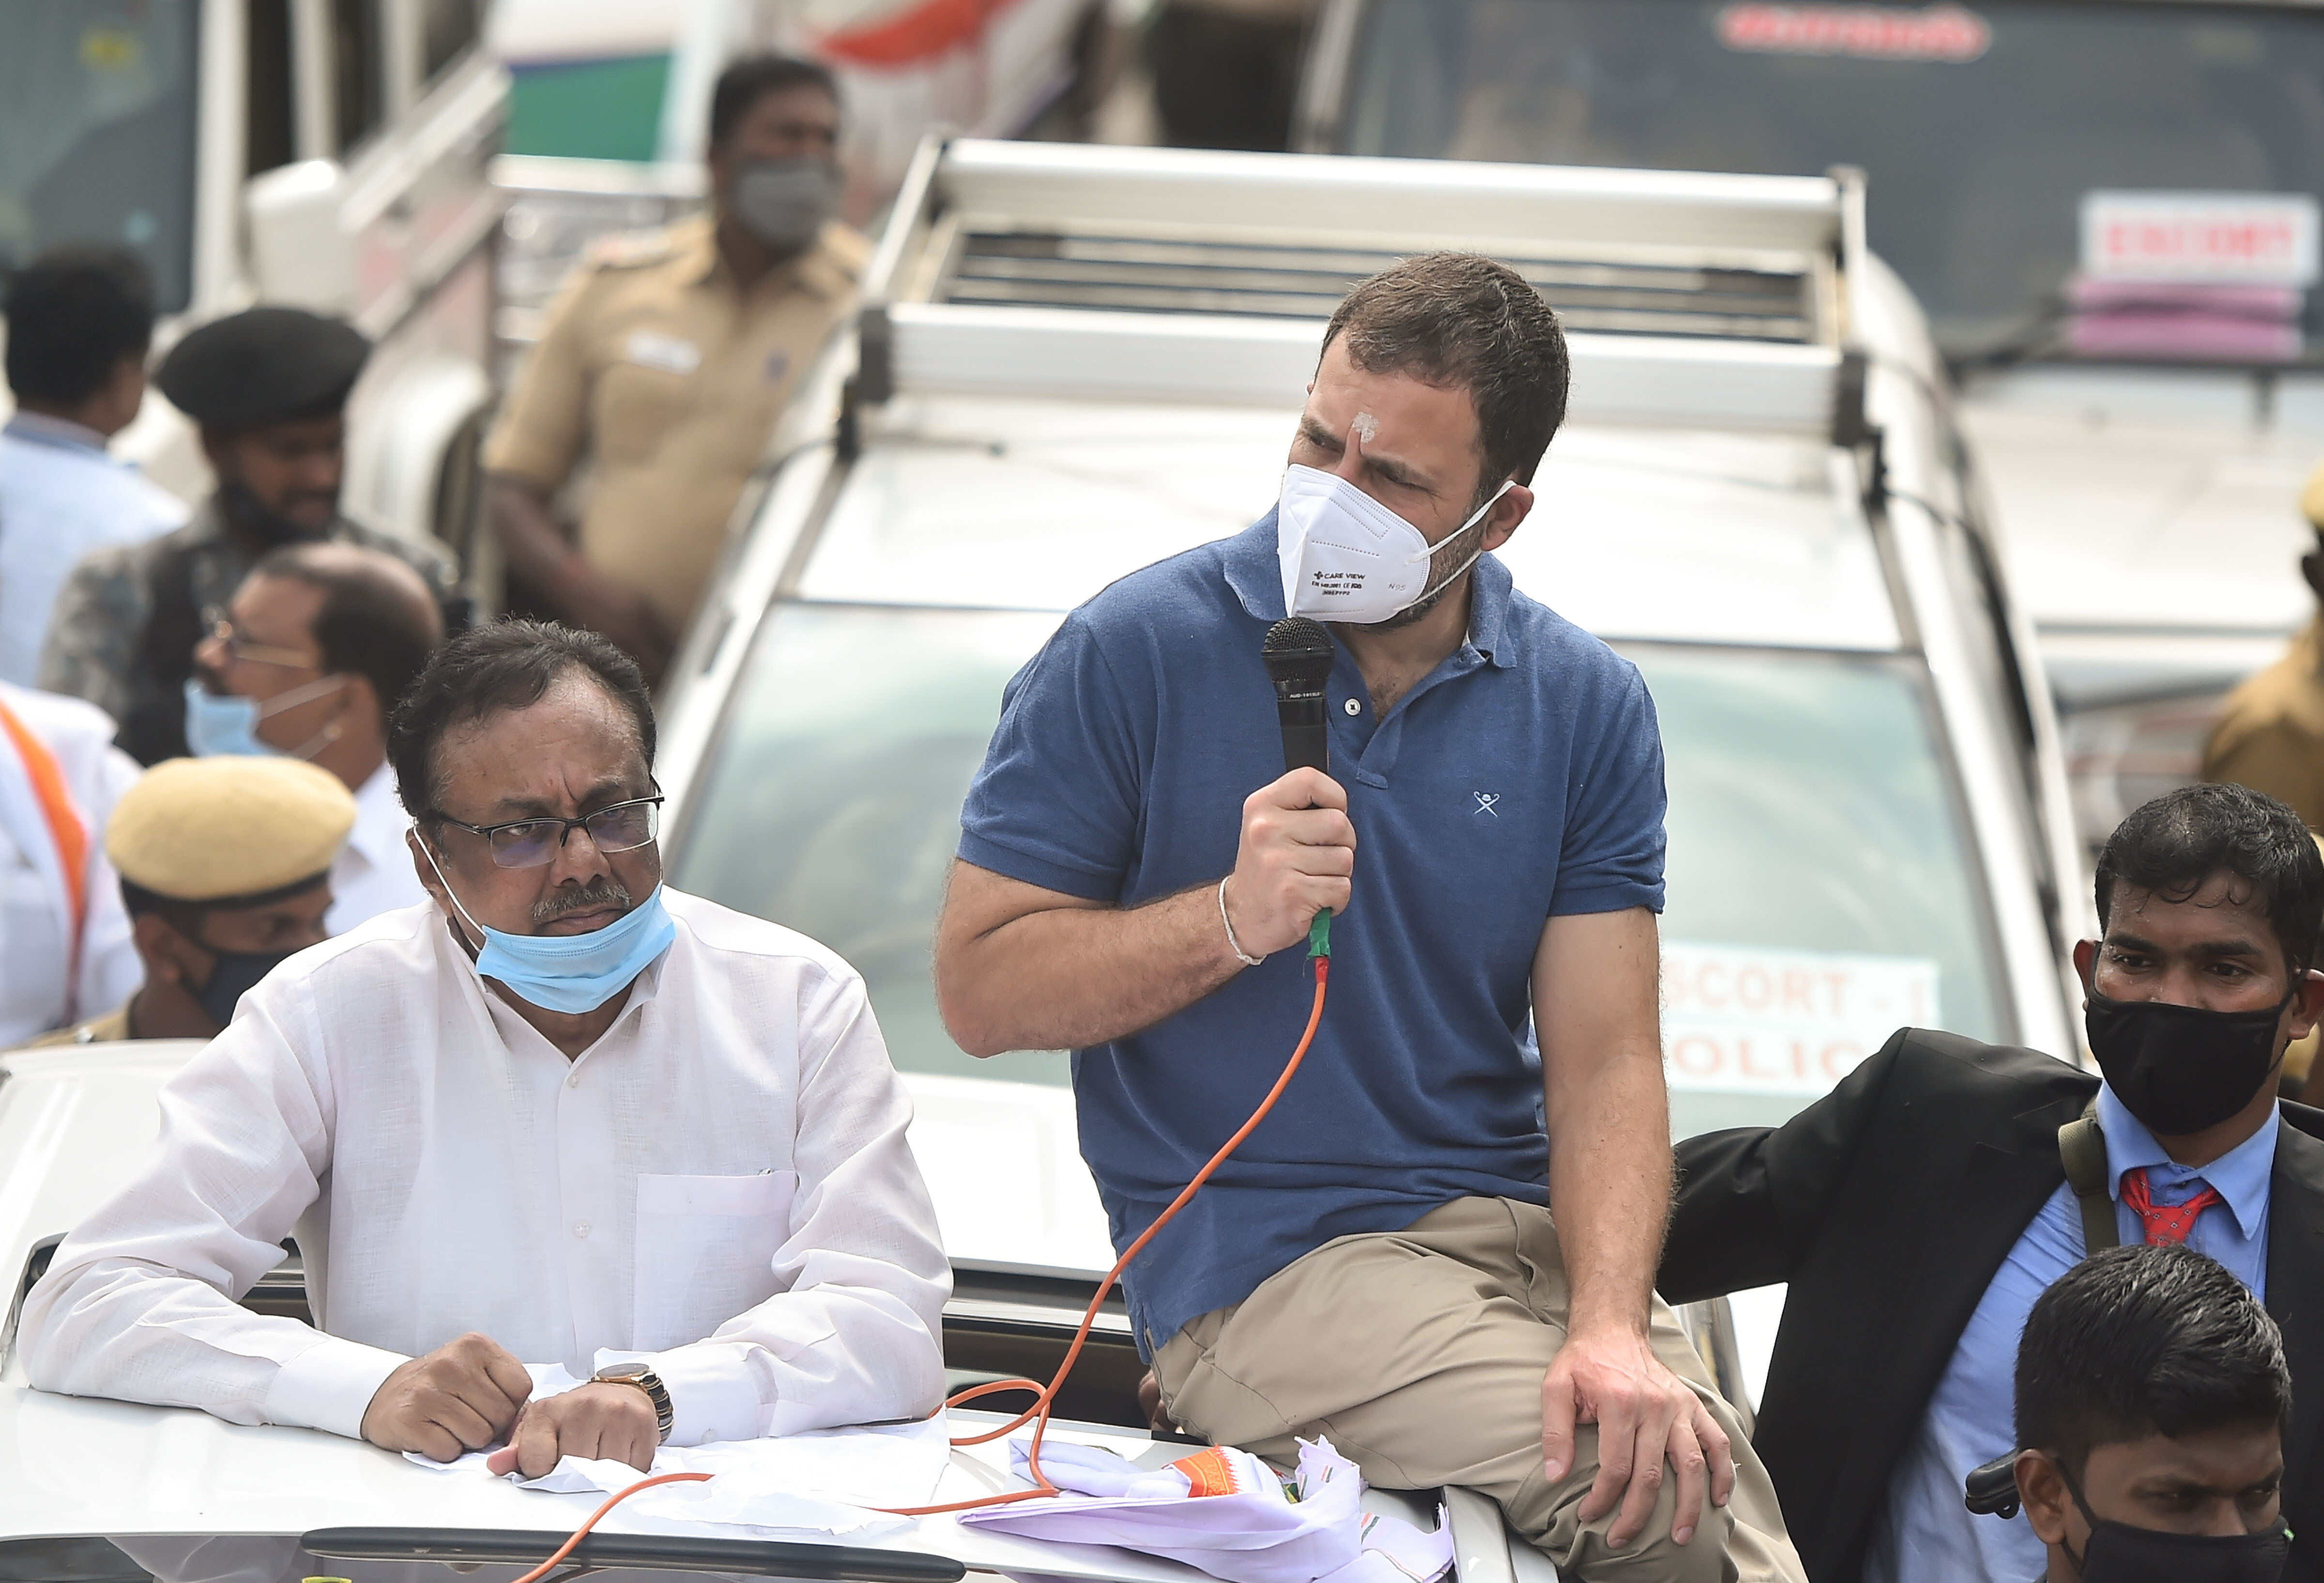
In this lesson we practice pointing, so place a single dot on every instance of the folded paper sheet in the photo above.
(1227, 1512)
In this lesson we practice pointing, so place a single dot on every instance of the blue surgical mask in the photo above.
(571, 973)
(224, 723)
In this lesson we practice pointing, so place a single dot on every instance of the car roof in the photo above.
(1652, 534)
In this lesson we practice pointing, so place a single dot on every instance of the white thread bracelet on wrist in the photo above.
(1234, 944)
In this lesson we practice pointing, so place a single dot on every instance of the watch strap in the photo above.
(644, 1379)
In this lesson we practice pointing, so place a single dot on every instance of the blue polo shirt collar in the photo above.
(2240, 1175)
(1255, 573)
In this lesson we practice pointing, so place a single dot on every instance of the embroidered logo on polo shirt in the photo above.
(1485, 801)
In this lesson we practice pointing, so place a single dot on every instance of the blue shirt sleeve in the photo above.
(1057, 801)
(1611, 857)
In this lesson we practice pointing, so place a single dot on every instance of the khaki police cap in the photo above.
(233, 825)
(2311, 498)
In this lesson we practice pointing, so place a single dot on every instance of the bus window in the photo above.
(267, 137)
(447, 30)
(97, 133)
(359, 55)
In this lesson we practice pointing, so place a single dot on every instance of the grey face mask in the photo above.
(784, 202)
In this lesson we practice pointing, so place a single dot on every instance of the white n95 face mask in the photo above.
(1346, 558)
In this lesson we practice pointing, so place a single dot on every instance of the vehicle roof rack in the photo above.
(1086, 272)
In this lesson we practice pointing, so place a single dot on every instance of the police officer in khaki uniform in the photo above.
(665, 363)
(2270, 734)
(226, 870)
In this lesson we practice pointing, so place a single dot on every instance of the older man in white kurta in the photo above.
(717, 1180)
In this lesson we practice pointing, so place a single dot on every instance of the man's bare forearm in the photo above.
(1609, 1187)
(533, 546)
(1070, 977)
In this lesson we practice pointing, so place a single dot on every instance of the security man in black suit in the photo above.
(1919, 1209)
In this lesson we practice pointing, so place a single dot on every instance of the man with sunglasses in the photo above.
(319, 642)
(560, 1121)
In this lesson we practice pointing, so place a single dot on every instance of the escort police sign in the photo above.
(2201, 238)
(1742, 1019)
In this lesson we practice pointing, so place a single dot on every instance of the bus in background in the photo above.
(327, 153)
(2109, 209)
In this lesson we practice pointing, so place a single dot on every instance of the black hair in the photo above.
(508, 664)
(751, 78)
(74, 315)
(185, 916)
(1458, 320)
(2136, 1341)
(2171, 846)
(377, 620)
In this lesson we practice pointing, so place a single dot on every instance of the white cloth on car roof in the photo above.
(1227, 1512)
(721, 1181)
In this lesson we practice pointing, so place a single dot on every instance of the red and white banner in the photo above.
(2218, 238)
(1951, 34)
(1743, 1019)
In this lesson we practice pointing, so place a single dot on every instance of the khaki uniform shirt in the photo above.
(2270, 734)
(669, 379)
(99, 1030)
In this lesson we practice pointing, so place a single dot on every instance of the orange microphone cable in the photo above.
(1045, 1397)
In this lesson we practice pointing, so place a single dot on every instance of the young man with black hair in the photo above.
(79, 322)
(2152, 1398)
(320, 641)
(666, 361)
(1439, 1250)
(1919, 1209)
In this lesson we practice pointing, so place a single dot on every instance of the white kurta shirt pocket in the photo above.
(705, 1244)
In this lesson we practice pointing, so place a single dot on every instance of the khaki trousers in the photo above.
(1419, 1354)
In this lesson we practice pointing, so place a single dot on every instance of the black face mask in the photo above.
(235, 973)
(2180, 1069)
(2119, 1554)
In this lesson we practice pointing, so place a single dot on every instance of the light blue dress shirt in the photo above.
(60, 497)
(1925, 1534)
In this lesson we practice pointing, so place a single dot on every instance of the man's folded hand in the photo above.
(461, 1397)
(608, 1419)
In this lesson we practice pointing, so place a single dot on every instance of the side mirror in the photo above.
(302, 253)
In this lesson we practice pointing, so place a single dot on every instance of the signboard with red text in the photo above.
(2218, 238)
(1748, 1019)
(1944, 32)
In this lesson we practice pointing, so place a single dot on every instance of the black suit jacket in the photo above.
(1888, 1205)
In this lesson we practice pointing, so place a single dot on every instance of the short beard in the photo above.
(1444, 574)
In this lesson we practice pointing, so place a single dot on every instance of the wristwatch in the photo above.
(642, 1375)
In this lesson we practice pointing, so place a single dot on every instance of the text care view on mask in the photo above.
(1346, 558)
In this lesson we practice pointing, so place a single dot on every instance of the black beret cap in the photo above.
(264, 365)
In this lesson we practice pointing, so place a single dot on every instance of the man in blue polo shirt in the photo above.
(1378, 1263)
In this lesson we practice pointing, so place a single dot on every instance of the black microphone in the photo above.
(1298, 654)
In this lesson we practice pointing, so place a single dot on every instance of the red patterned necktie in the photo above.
(2167, 1225)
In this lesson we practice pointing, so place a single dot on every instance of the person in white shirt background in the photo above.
(558, 1114)
(81, 321)
(65, 946)
(320, 641)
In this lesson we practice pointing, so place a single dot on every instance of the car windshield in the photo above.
(96, 132)
(1980, 129)
(1820, 896)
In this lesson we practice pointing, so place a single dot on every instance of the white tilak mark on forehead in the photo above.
(1367, 427)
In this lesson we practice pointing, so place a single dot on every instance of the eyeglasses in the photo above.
(527, 843)
(220, 627)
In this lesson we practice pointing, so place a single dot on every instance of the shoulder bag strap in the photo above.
(2081, 1147)
(67, 833)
